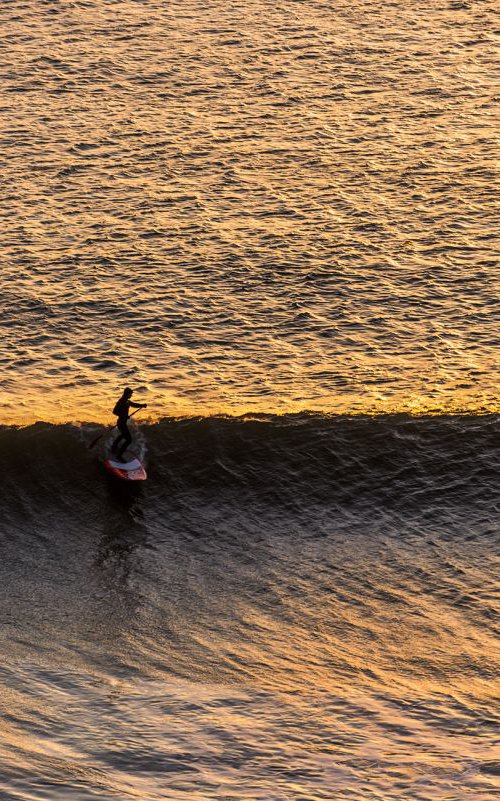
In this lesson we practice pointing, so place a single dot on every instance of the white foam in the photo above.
(133, 465)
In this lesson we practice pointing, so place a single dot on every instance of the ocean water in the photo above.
(248, 206)
(279, 224)
(289, 608)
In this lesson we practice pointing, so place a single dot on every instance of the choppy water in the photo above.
(248, 207)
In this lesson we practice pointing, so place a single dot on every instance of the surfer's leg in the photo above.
(127, 437)
(114, 446)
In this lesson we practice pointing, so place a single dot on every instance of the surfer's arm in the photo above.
(137, 405)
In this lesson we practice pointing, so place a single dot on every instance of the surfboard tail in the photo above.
(128, 471)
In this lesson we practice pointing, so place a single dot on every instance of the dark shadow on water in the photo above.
(123, 540)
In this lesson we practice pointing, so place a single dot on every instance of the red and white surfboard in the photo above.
(128, 471)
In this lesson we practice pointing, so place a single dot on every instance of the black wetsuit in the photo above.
(122, 411)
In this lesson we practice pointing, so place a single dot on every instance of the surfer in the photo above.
(122, 412)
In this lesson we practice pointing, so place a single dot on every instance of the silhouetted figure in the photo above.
(122, 412)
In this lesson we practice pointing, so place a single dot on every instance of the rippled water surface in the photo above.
(290, 608)
(250, 212)
(248, 206)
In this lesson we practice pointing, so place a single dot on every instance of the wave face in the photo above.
(298, 602)
(292, 462)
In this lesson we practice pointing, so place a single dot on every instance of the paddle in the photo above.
(99, 436)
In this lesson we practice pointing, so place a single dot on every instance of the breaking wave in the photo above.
(410, 464)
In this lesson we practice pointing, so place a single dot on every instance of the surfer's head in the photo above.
(127, 392)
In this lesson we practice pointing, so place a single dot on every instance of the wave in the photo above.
(400, 462)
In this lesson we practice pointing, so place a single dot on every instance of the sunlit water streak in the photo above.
(248, 207)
